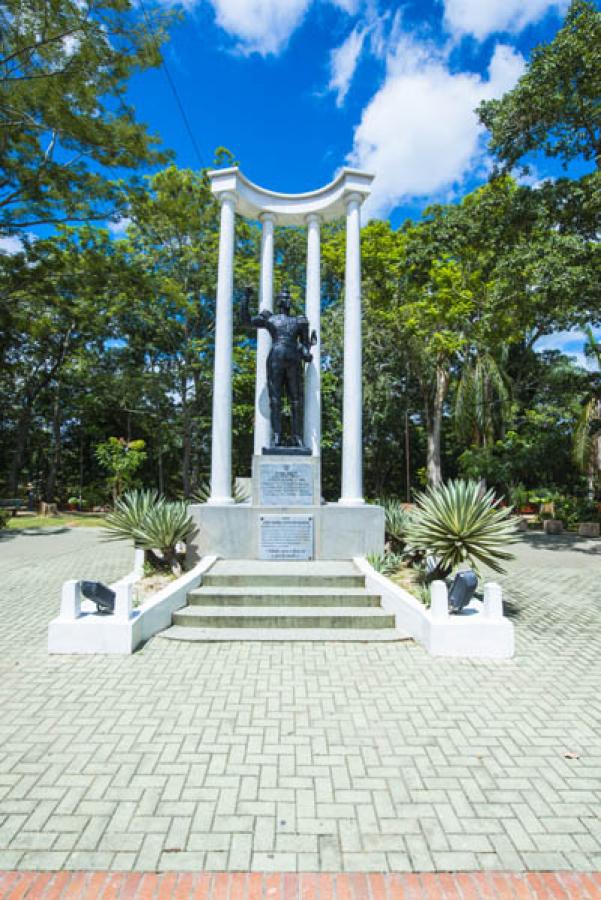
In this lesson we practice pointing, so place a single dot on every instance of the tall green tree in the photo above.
(587, 435)
(59, 297)
(554, 107)
(64, 121)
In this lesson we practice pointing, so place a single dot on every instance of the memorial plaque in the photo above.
(286, 484)
(285, 537)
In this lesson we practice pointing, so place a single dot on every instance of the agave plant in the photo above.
(397, 519)
(203, 493)
(386, 563)
(153, 523)
(459, 523)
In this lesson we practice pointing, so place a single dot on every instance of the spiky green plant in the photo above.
(129, 514)
(153, 523)
(203, 493)
(386, 563)
(397, 519)
(458, 522)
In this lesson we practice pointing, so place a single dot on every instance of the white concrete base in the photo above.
(232, 532)
(79, 629)
(479, 632)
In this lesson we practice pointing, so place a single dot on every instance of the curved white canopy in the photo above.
(328, 202)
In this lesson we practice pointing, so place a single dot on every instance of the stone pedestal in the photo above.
(339, 532)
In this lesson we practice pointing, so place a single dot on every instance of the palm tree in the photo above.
(482, 400)
(587, 434)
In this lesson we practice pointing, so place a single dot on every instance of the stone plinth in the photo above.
(339, 532)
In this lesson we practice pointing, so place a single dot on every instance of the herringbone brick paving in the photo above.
(301, 757)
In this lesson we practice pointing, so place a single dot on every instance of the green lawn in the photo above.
(64, 519)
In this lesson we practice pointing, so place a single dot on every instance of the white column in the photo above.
(221, 451)
(262, 411)
(313, 312)
(352, 433)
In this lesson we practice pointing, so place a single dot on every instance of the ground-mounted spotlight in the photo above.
(101, 595)
(462, 590)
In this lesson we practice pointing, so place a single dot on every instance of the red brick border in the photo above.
(284, 886)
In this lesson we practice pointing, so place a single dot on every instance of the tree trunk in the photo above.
(16, 465)
(434, 410)
(161, 479)
(35, 386)
(186, 439)
(55, 456)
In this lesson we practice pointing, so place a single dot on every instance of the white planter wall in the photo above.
(480, 631)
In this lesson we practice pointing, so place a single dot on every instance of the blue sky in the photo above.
(298, 88)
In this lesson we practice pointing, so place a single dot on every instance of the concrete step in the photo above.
(364, 635)
(290, 579)
(282, 596)
(283, 617)
(264, 573)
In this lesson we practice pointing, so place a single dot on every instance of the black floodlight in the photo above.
(462, 590)
(99, 594)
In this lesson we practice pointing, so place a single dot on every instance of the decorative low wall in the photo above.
(480, 631)
(79, 629)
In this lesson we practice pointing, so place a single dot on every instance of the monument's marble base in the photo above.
(234, 531)
(285, 519)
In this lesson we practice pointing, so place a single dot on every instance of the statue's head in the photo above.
(284, 301)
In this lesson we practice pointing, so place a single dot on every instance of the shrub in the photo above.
(4, 517)
(121, 459)
(397, 519)
(459, 523)
(154, 524)
(386, 563)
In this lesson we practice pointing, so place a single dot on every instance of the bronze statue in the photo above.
(290, 349)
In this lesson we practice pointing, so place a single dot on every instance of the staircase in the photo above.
(283, 601)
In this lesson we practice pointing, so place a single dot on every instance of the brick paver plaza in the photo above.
(301, 757)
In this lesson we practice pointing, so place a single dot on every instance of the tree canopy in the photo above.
(64, 120)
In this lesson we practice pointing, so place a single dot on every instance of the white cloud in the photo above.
(263, 26)
(481, 18)
(119, 228)
(419, 134)
(10, 244)
(343, 62)
(71, 44)
(376, 33)
(349, 6)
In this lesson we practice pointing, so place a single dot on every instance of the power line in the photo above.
(173, 87)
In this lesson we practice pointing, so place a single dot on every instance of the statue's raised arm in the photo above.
(249, 321)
